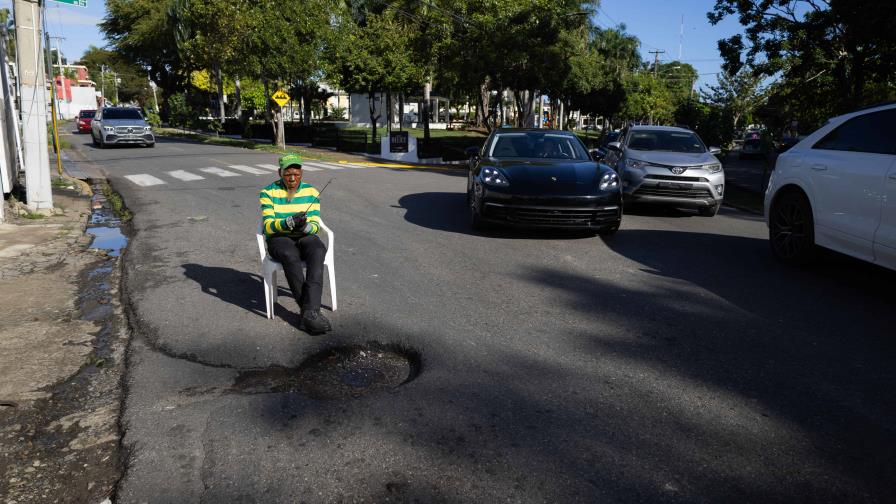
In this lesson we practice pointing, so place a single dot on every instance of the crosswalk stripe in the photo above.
(185, 175)
(321, 164)
(348, 165)
(219, 172)
(144, 180)
(269, 167)
(248, 169)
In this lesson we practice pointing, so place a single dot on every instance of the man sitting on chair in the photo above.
(290, 211)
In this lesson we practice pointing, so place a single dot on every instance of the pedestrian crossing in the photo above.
(236, 170)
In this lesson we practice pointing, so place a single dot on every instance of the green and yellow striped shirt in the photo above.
(276, 207)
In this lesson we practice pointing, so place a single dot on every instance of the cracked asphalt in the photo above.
(673, 362)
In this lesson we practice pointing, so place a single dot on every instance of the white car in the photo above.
(837, 188)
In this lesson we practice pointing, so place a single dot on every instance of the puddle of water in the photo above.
(337, 373)
(108, 238)
(105, 225)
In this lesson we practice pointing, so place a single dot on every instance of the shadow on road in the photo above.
(238, 288)
(448, 212)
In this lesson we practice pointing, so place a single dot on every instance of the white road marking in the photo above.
(219, 172)
(144, 180)
(269, 167)
(321, 164)
(185, 175)
(248, 169)
(305, 166)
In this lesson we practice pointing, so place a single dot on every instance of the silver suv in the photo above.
(668, 165)
(120, 125)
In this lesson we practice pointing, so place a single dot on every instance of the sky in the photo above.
(655, 22)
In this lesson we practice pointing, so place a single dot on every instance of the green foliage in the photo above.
(179, 111)
(338, 112)
(133, 85)
(831, 56)
(714, 123)
(153, 119)
(740, 94)
(117, 203)
(647, 100)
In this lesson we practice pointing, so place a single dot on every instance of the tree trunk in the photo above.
(267, 110)
(374, 117)
(238, 99)
(483, 104)
(307, 98)
(400, 111)
(281, 130)
(388, 110)
(220, 78)
(427, 89)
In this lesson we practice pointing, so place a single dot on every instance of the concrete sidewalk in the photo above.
(61, 357)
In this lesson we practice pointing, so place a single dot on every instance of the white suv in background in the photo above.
(837, 188)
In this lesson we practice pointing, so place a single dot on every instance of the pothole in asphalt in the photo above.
(337, 373)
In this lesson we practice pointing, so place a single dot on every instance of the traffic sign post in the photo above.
(281, 97)
(76, 3)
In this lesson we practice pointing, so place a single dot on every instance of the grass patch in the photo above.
(117, 203)
(245, 144)
(32, 215)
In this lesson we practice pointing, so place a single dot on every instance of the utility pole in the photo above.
(155, 99)
(103, 84)
(656, 60)
(33, 93)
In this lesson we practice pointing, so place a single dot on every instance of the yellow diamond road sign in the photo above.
(280, 97)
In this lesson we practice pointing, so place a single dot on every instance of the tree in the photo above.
(142, 33)
(647, 99)
(679, 79)
(740, 93)
(847, 43)
(133, 85)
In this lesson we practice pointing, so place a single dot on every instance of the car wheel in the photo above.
(475, 217)
(709, 211)
(93, 139)
(791, 230)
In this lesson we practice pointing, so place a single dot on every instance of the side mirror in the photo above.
(598, 154)
(715, 151)
(615, 146)
(471, 151)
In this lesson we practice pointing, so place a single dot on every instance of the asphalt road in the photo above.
(672, 362)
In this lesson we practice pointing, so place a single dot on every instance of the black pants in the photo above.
(291, 253)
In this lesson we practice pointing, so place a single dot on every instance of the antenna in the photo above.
(317, 199)
(680, 36)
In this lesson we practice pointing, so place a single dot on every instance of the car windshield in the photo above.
(116, 113)
(88, 113)
(672, 141)
(534, 144)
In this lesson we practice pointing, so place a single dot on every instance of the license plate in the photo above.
(674, 185)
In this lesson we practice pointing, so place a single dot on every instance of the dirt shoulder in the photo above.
(62, 347)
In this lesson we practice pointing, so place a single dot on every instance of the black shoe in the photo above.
(314, 323)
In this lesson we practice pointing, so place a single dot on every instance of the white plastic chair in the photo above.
(270, 267)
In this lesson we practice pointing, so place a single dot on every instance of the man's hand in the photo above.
(297, 220)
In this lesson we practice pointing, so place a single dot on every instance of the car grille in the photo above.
(128, 130)
(675, 178)
(550, 216)
(674, 192)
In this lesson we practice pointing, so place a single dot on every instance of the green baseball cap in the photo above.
(289, 160)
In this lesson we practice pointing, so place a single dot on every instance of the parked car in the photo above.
(670, 166)
(85, 117)
(752, 145)
(837, 188)
(121, 125)
(541, 179)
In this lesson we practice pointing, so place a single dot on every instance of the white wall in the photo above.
(82, 98)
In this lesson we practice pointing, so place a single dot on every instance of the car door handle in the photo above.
(819, 167)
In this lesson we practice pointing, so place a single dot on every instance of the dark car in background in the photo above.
(121, 125)
(538, 178)
(85, 117)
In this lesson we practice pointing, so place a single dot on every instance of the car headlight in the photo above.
(609, 182)
(493, 177)
(634, 164)
(110, 129)
(147, 129)
(713, 168)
